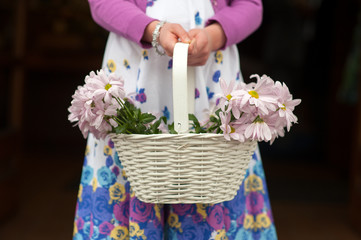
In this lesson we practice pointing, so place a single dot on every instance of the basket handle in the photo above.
(183, 88)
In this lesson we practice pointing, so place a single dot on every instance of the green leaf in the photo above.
(193, 118)
(217, 112)
(155, 126)
(147, 118)
(137, 114)
(121, 129)
(171, 129)
(213, 119)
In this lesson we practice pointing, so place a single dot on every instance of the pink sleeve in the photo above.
(239, 19)
(121, 17)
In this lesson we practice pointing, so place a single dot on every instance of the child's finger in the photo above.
(192, 49)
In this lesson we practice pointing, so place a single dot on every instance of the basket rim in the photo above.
(176, 136)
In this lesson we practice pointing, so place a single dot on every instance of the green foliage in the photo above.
(195, 124)
(212, 126)
(131, 120)
(171, 129)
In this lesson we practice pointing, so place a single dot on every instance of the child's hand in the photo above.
(204, 41)
(200, 47)
(170, 34)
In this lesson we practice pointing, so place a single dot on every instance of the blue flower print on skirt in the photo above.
(209, 93)
(196, 93)
(243, 234)
(105, 177)
(170, 64)
(150, 3)
(216, 76)
(87, 175)
(141, 96)
(198, 19)
(166, 112)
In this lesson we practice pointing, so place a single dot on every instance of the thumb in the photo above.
(179, 31)
(193, 32)
(192, 47)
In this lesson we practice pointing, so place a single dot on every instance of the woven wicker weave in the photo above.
(183, 168)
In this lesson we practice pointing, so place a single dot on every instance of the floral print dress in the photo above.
(106, 206)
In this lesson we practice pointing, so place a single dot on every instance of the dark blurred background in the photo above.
(313, 174)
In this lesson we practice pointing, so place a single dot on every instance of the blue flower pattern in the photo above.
(141, 96)
(166, 112)
(150, 3)
(198, 19)
(209, 93)
(216, 76)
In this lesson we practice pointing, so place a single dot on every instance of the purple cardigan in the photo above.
(127, 18)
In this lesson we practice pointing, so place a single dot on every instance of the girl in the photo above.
(106, 206)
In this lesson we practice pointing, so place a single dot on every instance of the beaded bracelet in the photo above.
(155, 35)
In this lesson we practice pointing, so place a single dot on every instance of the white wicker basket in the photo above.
(183, 168)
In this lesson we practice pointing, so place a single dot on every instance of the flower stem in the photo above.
(207, 130)
(124, 107)
(120, 122)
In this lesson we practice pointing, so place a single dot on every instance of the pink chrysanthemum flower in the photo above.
(258, 130)
(101, 110)
(226, 127)
(226, 92)
(276, 125)
(229, 99)
(229, 132)
(105, 86)
(81, 97)
(260, 95)
(92, 112)
(286, 104)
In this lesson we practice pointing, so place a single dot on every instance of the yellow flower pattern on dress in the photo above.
(87, 150)
(157, 208)
(219, 57)
(119, 233)
(75, 230)
(111, 65)
(117, 193)
(107, 150)
(94, 184)
(126, 64)
(253, 183)
(201, 209)
(124, 175)
(131, 192)
(145, 54)
(221, 235)
(80, 193)
(263, 221)
(248, 222)
(173, 222)
(135, 231)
